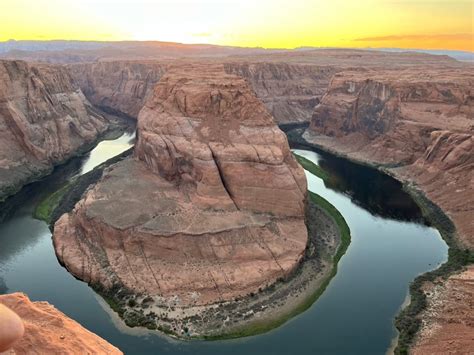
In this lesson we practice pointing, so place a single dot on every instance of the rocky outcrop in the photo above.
(419, 126)
(49, 331)
(44, 120)
(448, 322)
(289, 91)
(210, 208)
(118, 86)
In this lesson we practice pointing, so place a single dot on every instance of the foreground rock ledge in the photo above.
(210, 208)
(49, 331)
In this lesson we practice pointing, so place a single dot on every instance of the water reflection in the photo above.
(377, 193)
(354, 315)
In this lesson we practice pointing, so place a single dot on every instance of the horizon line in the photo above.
(232, 46)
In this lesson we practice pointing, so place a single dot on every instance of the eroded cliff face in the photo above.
(120, 86)
(420, 126)
(44, 120)
(289, 91)
(49, 331)
(210, 208)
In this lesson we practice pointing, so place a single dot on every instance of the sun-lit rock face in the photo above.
(44, 120)
(418, 122)
(210, 208)
(49, 331)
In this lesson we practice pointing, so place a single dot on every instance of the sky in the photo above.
(427, 24)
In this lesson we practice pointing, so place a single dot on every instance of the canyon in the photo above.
(44, 120)
(49, 331)
(215, 200)
(418, 128)
(207, 144)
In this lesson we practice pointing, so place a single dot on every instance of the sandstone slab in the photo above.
(49, 331)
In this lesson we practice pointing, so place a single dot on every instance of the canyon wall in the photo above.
(419, 125)
(120, 86)
(210, 208)
(44, 120)
(49, 331)
(290, 92)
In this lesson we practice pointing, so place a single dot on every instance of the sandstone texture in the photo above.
(49, 331)
(120, 86)
(210, 208)
(289, 91)
(419, 126)
(44, 120)
(448, 323)
(290, 83)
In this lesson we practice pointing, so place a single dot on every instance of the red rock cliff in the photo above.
(419, 123)
(44, 120)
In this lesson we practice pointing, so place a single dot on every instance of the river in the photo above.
(391, 244)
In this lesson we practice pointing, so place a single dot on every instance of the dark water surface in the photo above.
(390, 246)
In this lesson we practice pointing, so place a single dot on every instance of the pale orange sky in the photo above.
(441, 24)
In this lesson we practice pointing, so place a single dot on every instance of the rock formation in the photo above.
(448, 322)
(289, 91)
(49, 331)
(120, 86)
(210, 208)
(44, 120)
(420, 127)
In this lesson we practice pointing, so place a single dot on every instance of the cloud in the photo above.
(443, 37)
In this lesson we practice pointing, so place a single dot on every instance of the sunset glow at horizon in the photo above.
(423, 24)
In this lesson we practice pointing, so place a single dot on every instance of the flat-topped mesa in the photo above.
(210, 208)
(44, 120)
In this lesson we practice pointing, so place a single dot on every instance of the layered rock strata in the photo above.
(419, 127)
(120, 86)
(290, 92)
(44, 120)
(49, 331)
(210, 208)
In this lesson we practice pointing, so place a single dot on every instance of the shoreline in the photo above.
(409, 320)
(253, 314)
(117, 126)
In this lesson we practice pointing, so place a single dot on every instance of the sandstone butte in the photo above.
(49, 331)
(44, 120)
(418, 126)
(211, 206)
